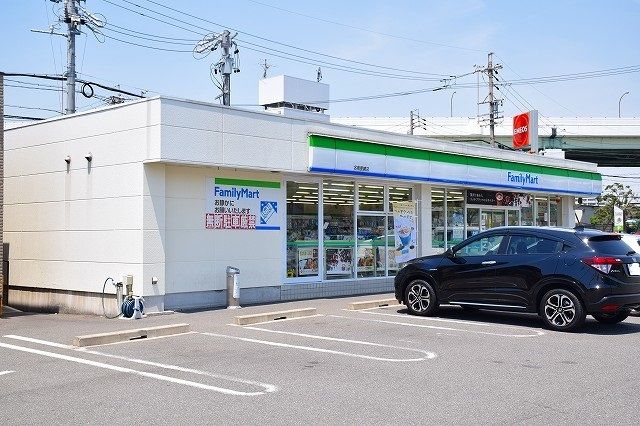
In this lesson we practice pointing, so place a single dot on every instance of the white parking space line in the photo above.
(38, 341)
(267, 387)
(478, 323)
(2, 373)
(434, 327)
(427, 355)
(485, 324)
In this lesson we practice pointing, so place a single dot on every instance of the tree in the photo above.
(615, 194)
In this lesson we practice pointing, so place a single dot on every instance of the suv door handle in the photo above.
(489, 262)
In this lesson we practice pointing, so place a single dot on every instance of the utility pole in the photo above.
(411, 122)
(73, 23)
(227, 64)
(265, 68)
(494, 103)
(75, 20)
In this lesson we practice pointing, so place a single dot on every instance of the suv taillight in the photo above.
(602, 263)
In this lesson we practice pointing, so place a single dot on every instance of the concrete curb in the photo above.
(126, 335)
(371, 304)
(272, 316)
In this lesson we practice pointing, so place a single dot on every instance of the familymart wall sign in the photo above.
(241, 204)
(329, 154)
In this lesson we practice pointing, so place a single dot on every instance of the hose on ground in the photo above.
(104, 311)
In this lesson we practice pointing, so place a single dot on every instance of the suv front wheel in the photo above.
(420, 298)
(561, 310)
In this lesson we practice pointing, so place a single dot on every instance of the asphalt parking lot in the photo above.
(376, 365)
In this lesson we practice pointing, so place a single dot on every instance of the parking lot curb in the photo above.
(126, 335)
(371, 304)
(272, 316)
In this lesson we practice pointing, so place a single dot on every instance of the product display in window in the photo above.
(339, 261)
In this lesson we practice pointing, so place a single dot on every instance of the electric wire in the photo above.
(266, 39)
(365, 29)
(31, 108)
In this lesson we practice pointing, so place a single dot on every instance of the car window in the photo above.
(611, 244)
(530, 244)
(482, 247)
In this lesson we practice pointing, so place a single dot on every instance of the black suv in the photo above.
(562, 274)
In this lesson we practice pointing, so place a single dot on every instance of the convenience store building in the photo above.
(174, 191)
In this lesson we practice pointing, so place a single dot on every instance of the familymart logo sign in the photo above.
(524, 179)
(243, 204)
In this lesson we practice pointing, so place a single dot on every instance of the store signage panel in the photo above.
(498, 198)
(238, 204)
(379, 160)
(356, 163)
(400, 166)
(525, 130)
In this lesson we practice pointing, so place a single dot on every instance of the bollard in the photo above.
(233, 290)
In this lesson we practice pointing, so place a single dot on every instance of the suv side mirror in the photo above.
(449, 252)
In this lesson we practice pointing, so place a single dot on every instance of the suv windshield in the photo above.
(611, 244)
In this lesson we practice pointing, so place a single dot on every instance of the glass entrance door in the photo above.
(492, 219)
(495, 218)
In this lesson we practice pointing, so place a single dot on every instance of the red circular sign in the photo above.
(521, 130)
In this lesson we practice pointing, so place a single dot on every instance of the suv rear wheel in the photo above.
(420, 298)
(612, 318)
(561, 310)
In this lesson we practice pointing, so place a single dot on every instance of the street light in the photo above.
(451, 103)
(625, 93)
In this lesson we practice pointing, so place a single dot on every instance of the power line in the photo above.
(32, 108)
(539, 91)
(270, 40)
(365, 98)
(34, 88)
(164, 49)
(365, 29)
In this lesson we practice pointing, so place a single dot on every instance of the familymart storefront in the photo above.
(365, 208)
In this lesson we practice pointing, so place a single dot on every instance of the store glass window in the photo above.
(513, 218)
(338, 228)
(399, 193)
(302, 229)
(371, 246)
(437, 217)
(371, 198)
(542, 211)
(455, 216)
(526, 213)
(553, 211)
(473, 221)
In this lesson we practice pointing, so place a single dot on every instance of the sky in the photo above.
(408, 45)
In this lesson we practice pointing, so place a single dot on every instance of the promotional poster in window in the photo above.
(404, 224)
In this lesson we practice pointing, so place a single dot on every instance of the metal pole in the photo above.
(492, 114)
(233, 290)
(451, 104)
(71, 18)
(625, 93)
(227, 69)
(411, 122)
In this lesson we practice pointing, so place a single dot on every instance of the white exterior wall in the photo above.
(196, 258)
(68, 228)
